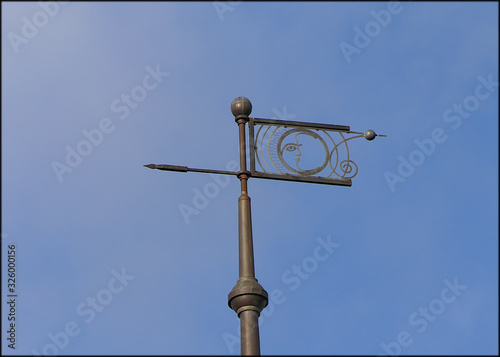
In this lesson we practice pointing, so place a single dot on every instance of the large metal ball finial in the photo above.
(241, 106)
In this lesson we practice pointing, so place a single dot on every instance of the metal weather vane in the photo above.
(277, 147)
(279, 150)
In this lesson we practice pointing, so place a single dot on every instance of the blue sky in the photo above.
(403, 262)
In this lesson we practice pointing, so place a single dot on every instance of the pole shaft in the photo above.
(249, 319)
(247, 298)
(243, 146)
(250, 343)
(246, 259)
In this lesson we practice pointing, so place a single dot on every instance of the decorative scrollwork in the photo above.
(285, 149)
(347, 168)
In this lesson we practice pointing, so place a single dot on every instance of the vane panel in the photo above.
(301, 151)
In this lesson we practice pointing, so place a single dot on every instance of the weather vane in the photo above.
(279, 150)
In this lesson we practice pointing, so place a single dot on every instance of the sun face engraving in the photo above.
(292, 143)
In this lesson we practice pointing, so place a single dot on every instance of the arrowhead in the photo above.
(150, 166)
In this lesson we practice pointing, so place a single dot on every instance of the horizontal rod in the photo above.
(303, 124)
(296, 178)
(308, 179)
(186, 169)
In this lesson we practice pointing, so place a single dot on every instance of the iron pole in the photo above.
(247, 298)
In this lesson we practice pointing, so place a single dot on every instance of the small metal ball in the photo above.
(241, 106)
(370, 135)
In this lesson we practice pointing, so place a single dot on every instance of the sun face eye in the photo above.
(290, 147)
